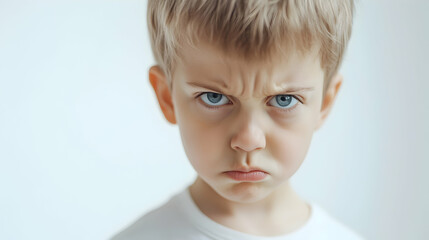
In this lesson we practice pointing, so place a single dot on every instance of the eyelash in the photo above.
(282, 110)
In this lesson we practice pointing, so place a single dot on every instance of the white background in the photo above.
(84, 149)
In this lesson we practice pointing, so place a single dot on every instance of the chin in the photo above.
(245, 192)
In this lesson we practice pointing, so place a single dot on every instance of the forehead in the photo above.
(207, 64)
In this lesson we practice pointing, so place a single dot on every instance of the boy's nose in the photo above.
(249, 137)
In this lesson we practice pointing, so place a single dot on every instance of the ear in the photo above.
(159, 83)
(329, 99)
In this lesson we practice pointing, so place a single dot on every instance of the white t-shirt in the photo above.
(180, 218)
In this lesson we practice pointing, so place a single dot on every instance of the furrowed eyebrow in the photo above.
(202, 85)
(297, 89)
(278, 92)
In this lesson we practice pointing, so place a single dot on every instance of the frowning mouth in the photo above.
(247, 176)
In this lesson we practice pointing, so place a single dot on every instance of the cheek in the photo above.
(290, 145)
(203, 142)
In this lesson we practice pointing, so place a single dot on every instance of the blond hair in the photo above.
(254, 29)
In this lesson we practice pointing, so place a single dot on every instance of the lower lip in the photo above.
(246, 176)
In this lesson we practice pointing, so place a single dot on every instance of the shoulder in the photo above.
(330, 227)
(164, 222)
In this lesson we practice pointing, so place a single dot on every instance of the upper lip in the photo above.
(247, 169)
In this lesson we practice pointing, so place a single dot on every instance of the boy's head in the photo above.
(248, 83)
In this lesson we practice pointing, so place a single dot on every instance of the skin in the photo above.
(249, 130)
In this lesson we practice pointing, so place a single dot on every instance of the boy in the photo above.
(248, 82)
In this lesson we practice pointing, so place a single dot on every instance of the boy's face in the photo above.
(235, 115)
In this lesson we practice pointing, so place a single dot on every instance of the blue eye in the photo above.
(283, 101)
(214, 99)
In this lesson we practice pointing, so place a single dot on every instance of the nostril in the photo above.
(248, 144)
